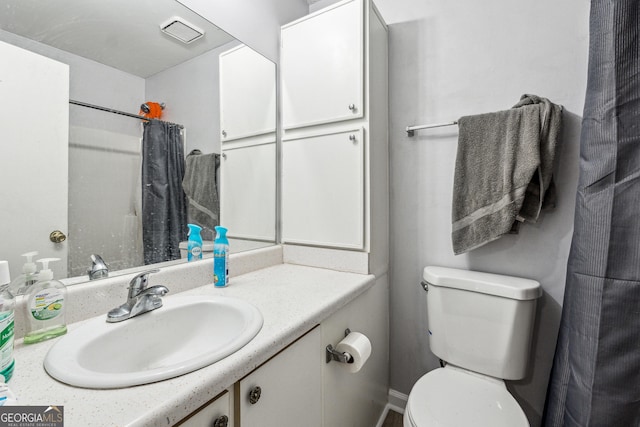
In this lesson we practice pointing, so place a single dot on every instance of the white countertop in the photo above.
(292, 299)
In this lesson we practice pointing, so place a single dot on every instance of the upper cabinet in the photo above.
(323, 189)
(335, 147)
(248, 135)
(247, 94)
(323, 66)
(249, 170)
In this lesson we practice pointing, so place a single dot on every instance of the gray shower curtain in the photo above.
(595, 379)
(164, 207)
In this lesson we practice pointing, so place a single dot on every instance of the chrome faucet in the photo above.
(98, 269)
(140, 299)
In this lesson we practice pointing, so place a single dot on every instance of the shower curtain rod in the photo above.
(111, 110)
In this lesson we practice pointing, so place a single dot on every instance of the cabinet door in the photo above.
(215, 414)
(287, 390)
(247, 94)
(247, 205)
(323, 190)
(322, 66)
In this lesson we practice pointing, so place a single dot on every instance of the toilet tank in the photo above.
(480, 321)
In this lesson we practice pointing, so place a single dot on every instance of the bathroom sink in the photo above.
(187, 333)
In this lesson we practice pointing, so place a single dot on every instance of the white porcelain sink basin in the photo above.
(187, 333)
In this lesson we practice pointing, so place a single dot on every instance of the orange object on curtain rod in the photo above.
(151, 110)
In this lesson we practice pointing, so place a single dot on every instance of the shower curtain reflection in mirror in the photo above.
(164, 208)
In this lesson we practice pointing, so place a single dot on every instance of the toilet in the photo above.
(480, 326)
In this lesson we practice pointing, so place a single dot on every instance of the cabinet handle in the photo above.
(352, 107)
(222, 421)
(224, 133)
(254, 395)
(352, 138)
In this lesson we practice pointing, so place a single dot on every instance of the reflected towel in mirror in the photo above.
(200, 184)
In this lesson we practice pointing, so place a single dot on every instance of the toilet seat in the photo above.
(454, 397)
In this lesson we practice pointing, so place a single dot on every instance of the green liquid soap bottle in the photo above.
(194, 244)
(20, 285)
(45, 306)
(221, 258)
(7, 307)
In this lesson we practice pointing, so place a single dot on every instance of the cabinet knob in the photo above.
(57, 236)
(352, 107)
(224, 133)
(254, 395)
(352, 138)
(222, 421)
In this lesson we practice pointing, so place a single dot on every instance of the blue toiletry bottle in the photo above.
(194, 244)
(221, 258)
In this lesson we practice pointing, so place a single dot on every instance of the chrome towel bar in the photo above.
(410, 129)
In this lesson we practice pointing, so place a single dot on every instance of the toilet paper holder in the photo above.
(332, 354)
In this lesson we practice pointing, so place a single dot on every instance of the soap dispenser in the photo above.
(29, 276)
(7, 307)
(45, 306)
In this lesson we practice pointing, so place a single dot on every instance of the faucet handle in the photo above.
(139, 282)
(98, 261)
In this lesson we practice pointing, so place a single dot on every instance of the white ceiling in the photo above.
(124, 34)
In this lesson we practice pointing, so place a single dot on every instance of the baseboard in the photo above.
(397, 401)
(383, 416)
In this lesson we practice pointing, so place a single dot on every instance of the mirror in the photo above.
(88, 186)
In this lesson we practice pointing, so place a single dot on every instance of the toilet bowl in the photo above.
(480, 325)
(453, 397)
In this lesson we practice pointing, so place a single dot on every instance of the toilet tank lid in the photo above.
(486, 283)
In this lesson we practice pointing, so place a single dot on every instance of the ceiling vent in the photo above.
(182, 30)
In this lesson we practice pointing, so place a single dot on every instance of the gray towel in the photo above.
(200, 184)
(503, 172)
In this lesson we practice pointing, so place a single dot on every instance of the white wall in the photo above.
(449, 59)
(254, 22)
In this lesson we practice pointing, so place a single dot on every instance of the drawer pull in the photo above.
(222, 421)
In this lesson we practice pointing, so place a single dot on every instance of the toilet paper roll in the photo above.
(358, 346)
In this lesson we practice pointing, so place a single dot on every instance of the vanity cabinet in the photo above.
(322, 67)
(335, 137)
(217, 413)
(286, 390)
(357, 399)
(297, 387)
